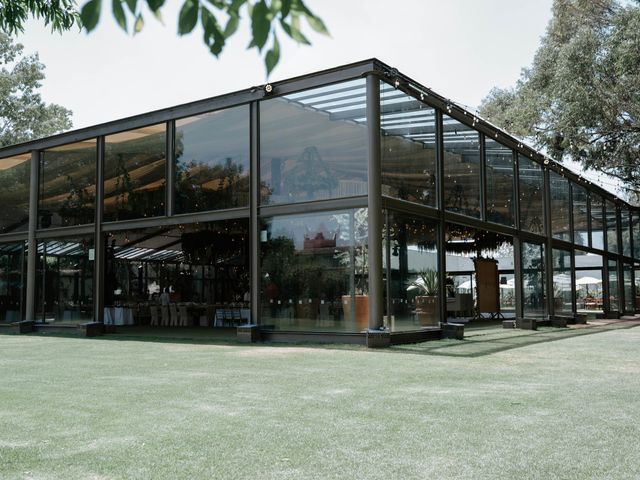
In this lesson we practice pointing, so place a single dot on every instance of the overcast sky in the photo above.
(459, 48)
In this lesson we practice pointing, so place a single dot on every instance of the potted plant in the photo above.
(427, 302)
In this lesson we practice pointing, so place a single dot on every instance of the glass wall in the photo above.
(13, 281)
(15, 173)
(580, 215)
(625, 227)
(408, 147)
(68, 185)
(560, 207)
(533, 284)
(500, 188)
(589, 291)
(313, 144)
(629, 300)
(212, 161)
(612, 227)
(135, 173)
(531, 195)
(461, 168)
(597, 224)
(315, 271)
(562, 284)
(412, 272)
(614, 286)
(635, 232)
(64, 280)
(191, 275)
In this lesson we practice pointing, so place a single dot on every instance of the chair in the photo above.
(173, 313)
(236, 316)
(207, 315)
(183, 316)
(164, 309)
(154, 315)
(227, 316)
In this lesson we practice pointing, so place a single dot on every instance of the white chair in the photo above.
(183, 316)
(173, 313)
(154, 315)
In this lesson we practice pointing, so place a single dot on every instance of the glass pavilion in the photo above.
(347, 200)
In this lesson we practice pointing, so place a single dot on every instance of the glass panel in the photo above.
(560, 207)
(635, 231)
(597, 238)
(562, 291)
(315, 272)
(614, 287)
(533, 280)
(625, 226)
(64, 280)
(612, 227)
(191, 275)
(531, 195)
(628, 288)
(212, 161)
(68, 185)
(500, 184)
(13, 280)
(589, 292)
(134, 172)
(580, 215)
(413, 272)
(408, 147)
(313, 144)
(461, 168)
(15, 175)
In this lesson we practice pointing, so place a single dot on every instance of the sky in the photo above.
(459, 48)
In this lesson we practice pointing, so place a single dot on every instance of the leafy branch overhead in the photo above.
(219, 20)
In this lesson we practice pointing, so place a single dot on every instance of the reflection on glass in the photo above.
(614, 287)
(68, 185)
(589, 291)
(134, 172)
(625, 227)
(212, 161)
(64, 280)
(313, 144)
(408, 147)
(635, 231)
(413, 272)
(597, 236)
(315, 272)
(14, 191)
(461, 168)
(562, 291)
(560, 207)
(531, 195)
(500, 185)
(629, 301)
(533, 280)
(13, 274)
(580, 215)
(612, 227)
(194, 275)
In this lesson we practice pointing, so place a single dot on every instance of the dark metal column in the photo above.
(374, 193)
(441, 241)
(574, 306)
(99, 240)
(517, 275)
(483, 179)
(32, 244)
(171, 170)
(254, 227)
(548, 259)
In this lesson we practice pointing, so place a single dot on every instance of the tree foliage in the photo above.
(580, 98)
(219, 20)
(23, 114)
(61, 15)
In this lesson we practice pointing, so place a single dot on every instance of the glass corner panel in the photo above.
(560, 207)
(531, 195)
(500, 189)
(580, 215)
(15, 178)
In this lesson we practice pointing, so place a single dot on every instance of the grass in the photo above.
(498, 405)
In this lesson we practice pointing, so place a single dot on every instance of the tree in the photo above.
(267, 18)
(580, 98)
(23, 114)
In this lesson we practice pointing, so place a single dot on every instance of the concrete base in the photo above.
(580, 319)
(90, 329)
(560, 321)
(248, 333)
(24, 326)
(508, 324)
(453, 330)
(612, 314)
(527, 323)
(378, 338)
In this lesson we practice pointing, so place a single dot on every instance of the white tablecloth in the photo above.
(118, 316)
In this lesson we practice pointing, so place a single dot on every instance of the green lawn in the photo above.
(500, 404)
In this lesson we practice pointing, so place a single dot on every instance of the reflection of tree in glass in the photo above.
(309, 175)
(124, 186)
(79, 204)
